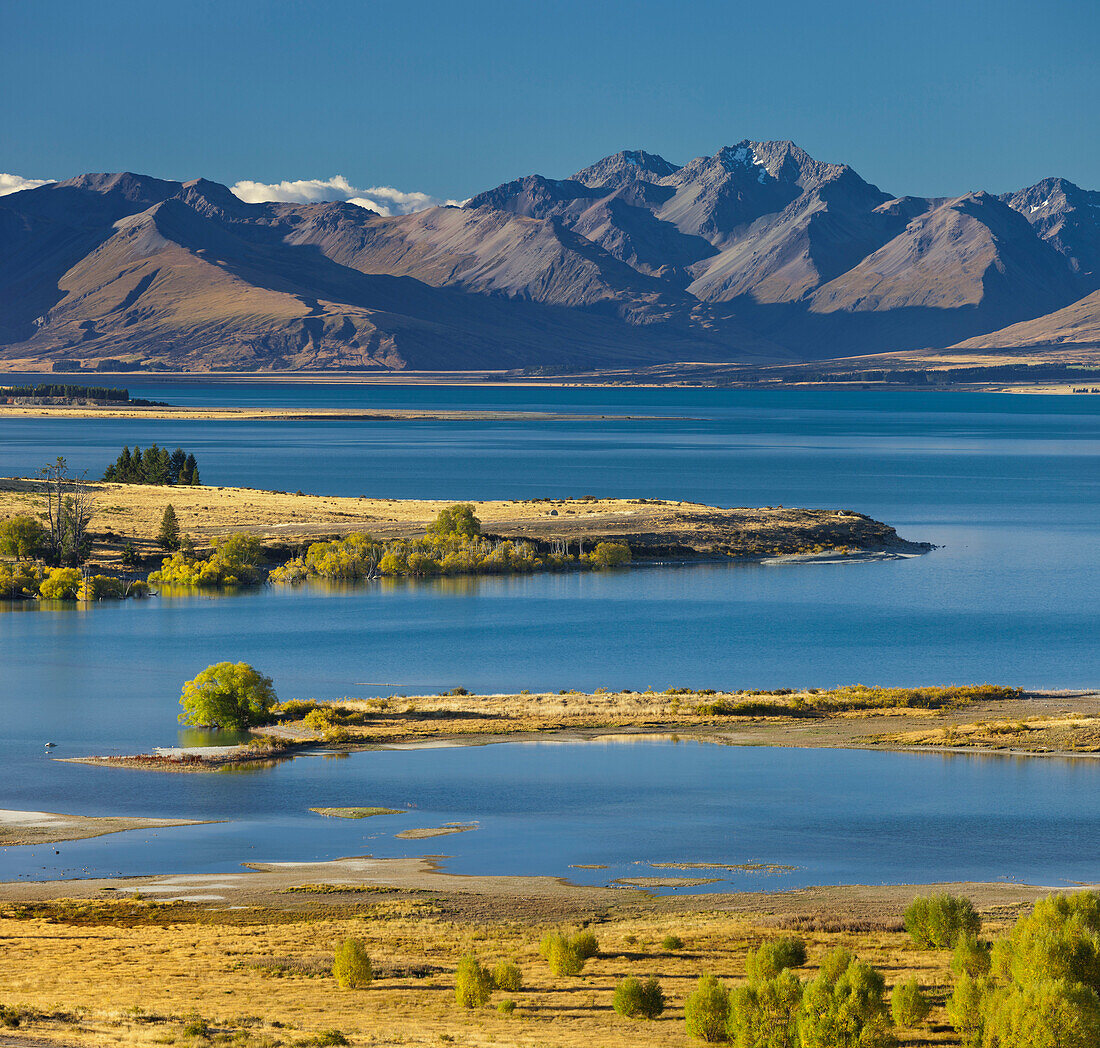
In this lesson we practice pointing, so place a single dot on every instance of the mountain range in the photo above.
(757, 254)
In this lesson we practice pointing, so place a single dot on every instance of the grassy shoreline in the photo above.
(1036, 724)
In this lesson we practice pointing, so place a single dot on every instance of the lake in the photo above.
(1008, 486)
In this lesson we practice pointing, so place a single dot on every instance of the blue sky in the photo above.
(926, 96)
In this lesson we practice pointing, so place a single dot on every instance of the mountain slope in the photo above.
(200, 278)
(759, 253)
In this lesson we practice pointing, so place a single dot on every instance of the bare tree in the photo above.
(68, 511)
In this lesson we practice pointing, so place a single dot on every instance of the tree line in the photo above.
(154, 465)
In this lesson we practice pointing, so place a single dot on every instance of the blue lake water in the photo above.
(1008, 486)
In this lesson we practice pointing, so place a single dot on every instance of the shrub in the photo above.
(228, 695)
(639, 1000)
(971, 956)
(22, 536)
(9, 1016)
(20, 580)
(506, 1007)
(772, 957)
(61, 584)
(1049, 1014)
(507, 977)
(327, 1039)
(196, 1026)
(585, 944)
(609, 554)
(672, 942)
(845, 1008)
(707, 1010)
(564, 958)
(908, 1005)
(235, 561)
(1059, 939)
(352, 968)
(939, 920)
(964, 1009)
(473, 983)
(764, 1014)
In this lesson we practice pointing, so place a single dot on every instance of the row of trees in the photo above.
(452, 545)
(154, 465)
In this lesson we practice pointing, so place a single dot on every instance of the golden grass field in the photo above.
(128, 972)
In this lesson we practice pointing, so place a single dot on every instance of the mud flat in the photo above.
(47, 827)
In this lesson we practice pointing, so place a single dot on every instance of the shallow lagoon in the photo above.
(1008, 485)
(838, 816)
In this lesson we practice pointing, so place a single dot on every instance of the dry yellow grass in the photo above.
(261, 975)
(822, 716)
(1066, 733)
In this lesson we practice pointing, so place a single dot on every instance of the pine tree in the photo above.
(176, 467)
(168, 537)
(129, 555)
(137, 466)
(192, 471)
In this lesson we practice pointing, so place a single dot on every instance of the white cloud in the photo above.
(384, 199)
(16, 183)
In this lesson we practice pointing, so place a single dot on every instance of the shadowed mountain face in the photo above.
(759, 253)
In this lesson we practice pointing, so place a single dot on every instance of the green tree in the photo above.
(707, 1010)
(227, 695)
(564, 958)
(457, 521)
(908, 1005)
(150, 466)
(845, 1009)
(1052, 1013)
(129, 555)
(772, 957)
(585, 944)
(473, 983)
(352, 967)
(168, 538)
(610, 554)
(191, 472)
(971, 957)
(22, 536)
(61, 584)
(634, 999)
(939, 920)
(176, 465)
(764, 1013)
(507, 977)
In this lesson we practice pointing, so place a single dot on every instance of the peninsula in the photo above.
(655, 529)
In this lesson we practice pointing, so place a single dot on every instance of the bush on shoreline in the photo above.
(452, 545)
(227, 695)
(235, 560)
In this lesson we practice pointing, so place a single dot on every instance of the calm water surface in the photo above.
(1009, 486)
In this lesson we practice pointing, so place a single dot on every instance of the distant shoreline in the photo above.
(625, 379)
